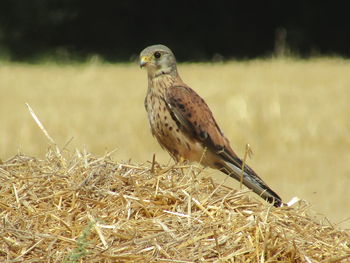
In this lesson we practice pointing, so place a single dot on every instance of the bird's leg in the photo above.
(182, 161)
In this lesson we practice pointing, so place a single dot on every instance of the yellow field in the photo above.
(295, 115)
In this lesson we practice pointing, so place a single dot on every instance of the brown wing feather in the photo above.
(195, 117)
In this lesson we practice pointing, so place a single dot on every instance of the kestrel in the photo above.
(184, 125)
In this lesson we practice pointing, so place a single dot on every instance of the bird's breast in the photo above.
(165, 128)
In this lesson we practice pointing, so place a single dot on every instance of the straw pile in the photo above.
(80, 208)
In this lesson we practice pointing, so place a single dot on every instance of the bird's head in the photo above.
(158, 60)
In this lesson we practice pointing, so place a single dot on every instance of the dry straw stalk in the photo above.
(81, 208)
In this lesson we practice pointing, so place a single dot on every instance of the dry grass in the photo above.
(80, 208)
(295, 115)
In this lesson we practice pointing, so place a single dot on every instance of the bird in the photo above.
(185, 127)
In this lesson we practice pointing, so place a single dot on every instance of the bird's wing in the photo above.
(193, 115)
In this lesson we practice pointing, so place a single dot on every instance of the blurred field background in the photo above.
(295, 114)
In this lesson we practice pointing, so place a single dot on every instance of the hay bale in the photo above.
(81, 208)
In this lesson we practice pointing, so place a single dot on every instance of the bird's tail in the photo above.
(252, 181)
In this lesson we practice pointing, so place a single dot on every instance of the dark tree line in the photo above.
(197, 30)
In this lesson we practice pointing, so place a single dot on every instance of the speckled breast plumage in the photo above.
(164, 126)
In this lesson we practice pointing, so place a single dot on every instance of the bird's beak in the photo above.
(144, 60)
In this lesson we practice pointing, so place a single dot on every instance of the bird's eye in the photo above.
(157, 54)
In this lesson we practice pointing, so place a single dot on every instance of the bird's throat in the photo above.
(160, 83)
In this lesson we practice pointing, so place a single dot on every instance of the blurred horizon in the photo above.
(116, 31)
